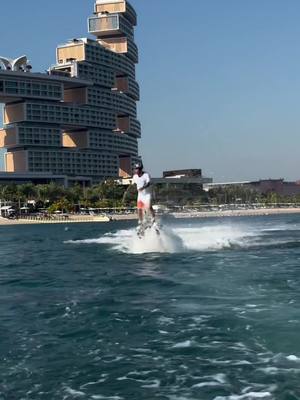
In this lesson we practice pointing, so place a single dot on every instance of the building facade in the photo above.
(176, 187)
(179, 187)
(262, 186)
(79, 120)
(278, 186)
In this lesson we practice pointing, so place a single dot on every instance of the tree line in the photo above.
(110, 194)
(234, 194)
(55, 197)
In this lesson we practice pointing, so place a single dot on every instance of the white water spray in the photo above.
(176, 240)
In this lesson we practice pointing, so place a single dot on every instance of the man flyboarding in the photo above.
(144, 200)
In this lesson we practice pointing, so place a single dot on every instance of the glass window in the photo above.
(12, 90)
(11, 84)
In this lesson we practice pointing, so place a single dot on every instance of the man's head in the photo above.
(138, 168)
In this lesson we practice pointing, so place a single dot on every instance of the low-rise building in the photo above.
(262, 186)
(278, 186)
(177, 186)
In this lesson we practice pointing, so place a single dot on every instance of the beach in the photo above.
(237, 213)
(59, 220)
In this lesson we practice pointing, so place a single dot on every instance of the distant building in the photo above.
(41, 178)
(278, 186)
(79, 120)
(208, 186)
(176, 187)
(179, 186)
(263, 186)
(183, 173)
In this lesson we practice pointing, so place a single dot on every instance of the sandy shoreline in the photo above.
(71, 220)
(177, 215)
(238, 213)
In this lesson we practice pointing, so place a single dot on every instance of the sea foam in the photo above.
(173, 240)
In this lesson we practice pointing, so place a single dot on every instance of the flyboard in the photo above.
(147, 224)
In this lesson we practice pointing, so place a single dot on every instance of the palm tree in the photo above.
(9, 192)
(27, 191)
(50, 193)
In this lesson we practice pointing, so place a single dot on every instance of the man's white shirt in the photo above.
(141, 182)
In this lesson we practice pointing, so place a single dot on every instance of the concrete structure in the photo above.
(79, 120)
(216, 185)
(176, 187)
(42, 178)
(183, 173)
(263, 186)
(179, 186)
(278, 186)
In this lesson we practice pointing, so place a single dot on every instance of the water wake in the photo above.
(202, 236)
(174, 240)
(127, 241)
(214, 237)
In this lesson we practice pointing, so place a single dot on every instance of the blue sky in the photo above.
(220, 80)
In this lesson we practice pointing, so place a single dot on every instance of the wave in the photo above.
(204, 236)
(172, 240)
(127, 241)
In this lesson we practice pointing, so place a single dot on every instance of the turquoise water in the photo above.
(210, 310)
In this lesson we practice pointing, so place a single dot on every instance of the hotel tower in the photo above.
(77, 122)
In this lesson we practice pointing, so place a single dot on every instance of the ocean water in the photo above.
(208, 310)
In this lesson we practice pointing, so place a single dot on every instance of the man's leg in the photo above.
(153, 221)
(152, 213)
(140, 215)
(141, 227)
(140, 207)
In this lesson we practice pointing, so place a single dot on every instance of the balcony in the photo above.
(16, 161)
(125, 167)
(121, 6)
(129, 125)
(76, 96)
(70, 52)
(109, 25)
(128, 86)
(14, 113)
(8, 137)
(121, 84)
(117, 45)
(121, 45)
(77, 140)
(123, 124)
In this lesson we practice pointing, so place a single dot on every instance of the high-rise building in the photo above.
(79, 120)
